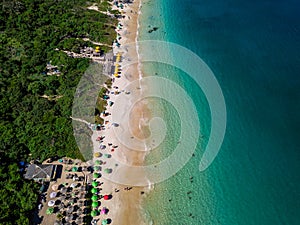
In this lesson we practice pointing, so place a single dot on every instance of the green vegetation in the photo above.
(100, 106)
(35, 108)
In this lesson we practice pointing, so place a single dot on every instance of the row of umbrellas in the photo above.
(102, 211)
(106, 170)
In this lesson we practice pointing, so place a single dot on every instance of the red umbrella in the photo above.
(106, 197)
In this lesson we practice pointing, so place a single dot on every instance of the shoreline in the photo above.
(126, 203)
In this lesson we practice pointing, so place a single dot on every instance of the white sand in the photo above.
(125, 205)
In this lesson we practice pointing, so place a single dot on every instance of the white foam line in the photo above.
(136, 42)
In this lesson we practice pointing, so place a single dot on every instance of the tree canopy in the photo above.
(35, 108)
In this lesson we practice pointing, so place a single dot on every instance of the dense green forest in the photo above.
(32, 126)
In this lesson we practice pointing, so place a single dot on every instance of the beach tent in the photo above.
(51, 203)
(94, 213)
(94, 190)
(94, 197)
(94, 184)
(95, 204)
(49, 211)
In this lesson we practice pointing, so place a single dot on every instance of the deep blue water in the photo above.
(253, 48)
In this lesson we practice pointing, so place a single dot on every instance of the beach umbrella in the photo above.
(53, 194)
(104, 222)
(107, 170)
(50, 210)
(82, 188)
(73, 185)
(102, 146)
(94, 184)
(62, 198)
(69, 217)
(64, 190)
(106, 197)
(96, 175)
(79, 220)
(103, 211)
(61, 206)
(74, 169)
(97, 154)
(70, 209)
(107, 155)
(81, 195)
(94, 198)
(51, 203)
(97, 168)
(94, 213)
(95, 204)
(79, 211)
(98, 162)
(54, 187)
(94, 190)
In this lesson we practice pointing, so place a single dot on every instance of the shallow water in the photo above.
(253, 49)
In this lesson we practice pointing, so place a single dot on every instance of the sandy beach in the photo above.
(125, 204)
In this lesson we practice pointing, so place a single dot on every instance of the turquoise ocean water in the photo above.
(253, 48)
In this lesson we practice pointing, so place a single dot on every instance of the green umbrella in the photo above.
(107, 170)
(94, 184)
(95, 204)
(94, 213)
(104, 222)
(94, 190)
(98, 162)
(97, 168)
(96, 175)
(74, 169)
(94, 197)
(50, 211)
